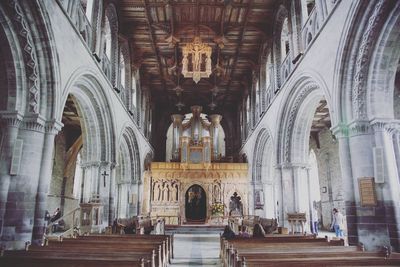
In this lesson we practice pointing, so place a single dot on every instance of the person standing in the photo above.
(337, 223)
(314, 221)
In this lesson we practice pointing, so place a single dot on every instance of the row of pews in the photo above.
(95, 251)
(310, 251)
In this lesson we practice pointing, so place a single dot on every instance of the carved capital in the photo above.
(35, 123)
(340, 130)
(53, 126)
(10, 119)
(359, 127)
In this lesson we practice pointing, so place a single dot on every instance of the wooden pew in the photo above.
(300, 251)
(135, 244)
(26, 258)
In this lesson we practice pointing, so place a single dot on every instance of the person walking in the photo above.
(337, 222)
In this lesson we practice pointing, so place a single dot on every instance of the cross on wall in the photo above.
(104, 174)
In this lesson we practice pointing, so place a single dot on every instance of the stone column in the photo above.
(21, 199)
(10, 123)
(112, 196)
(288, 192)
(176, 134)
(371, 225)
(388, 192)
(214, 129)
(104, 193)
(52, 128)
(342, 135)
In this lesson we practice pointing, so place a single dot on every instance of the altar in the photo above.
(195, 188)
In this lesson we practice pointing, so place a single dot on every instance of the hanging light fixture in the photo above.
(196, 62)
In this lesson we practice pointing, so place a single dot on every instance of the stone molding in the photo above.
(11, 119)
(35, 123)
(30, 57)
(371, 33)
(292, 117)
(53, 126)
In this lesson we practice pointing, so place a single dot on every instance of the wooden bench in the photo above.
(97, 250)
(304, 251)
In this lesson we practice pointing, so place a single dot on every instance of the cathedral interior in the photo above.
(193, 111)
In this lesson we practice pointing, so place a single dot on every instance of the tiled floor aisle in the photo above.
(196, 250)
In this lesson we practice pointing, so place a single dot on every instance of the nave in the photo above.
(198, 249)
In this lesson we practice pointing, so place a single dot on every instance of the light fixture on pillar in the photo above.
(196, 62)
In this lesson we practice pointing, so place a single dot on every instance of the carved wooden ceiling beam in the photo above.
(153, 42)
(240, 43)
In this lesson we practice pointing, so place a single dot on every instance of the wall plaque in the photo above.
(367, 191)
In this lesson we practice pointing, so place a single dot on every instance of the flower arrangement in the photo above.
(217, 208)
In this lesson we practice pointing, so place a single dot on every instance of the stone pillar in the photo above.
(21, 199)
(373, 223)
(52, 128)
(104, 193)
(176, 134)
(112, 196)
(301, 191)
(133, 207)
(10, 123)
(342, 135)
(146, 186)
(288, 192)
(215, 123)
(388, 192)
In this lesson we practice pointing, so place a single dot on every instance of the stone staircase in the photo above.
(193, 229)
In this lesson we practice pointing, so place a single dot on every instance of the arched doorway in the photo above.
(195, 204)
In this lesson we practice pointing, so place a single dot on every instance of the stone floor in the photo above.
(196, 250)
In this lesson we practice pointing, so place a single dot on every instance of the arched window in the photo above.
(306, 7)
(285, 39)
(107, 38)
(268, 72)
(258, 94)
(87, 6)
(134, 91)
(248, 110)
(122, 71)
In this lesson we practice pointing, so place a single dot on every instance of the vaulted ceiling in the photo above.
(237, 31)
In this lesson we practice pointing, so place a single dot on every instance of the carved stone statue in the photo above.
(174, 193)
(165, 192)
(217, 193)
(156, 191)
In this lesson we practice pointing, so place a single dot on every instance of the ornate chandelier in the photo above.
(196, 60)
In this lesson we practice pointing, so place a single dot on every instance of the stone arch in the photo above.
(258, 153)
(147, 161)
(129, 141)
(280, 17)
(124, 51)
(92, 106)
(383, 67)
(111, 13)
(297, 116)
(355, 55)
(35, 63)
(96, 26)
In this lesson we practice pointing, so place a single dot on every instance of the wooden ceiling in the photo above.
(237, 31)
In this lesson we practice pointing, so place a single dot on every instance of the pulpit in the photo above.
(296, 219)
(91, 217)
